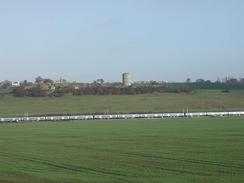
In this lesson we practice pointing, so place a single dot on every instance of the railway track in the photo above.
(120, 116)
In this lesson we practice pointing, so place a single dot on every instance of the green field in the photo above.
(201, 100)
(167, 150)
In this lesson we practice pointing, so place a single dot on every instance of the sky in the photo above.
(83, 40)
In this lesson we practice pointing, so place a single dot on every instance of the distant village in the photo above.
(126, 81)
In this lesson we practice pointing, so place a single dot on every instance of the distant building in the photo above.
(126, 79)
(52, 87)
(61, 81)
(16, 83)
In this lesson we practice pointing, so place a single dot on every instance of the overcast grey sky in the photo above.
(84, 40)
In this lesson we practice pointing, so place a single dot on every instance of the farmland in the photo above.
(167, 150)
(199, 100)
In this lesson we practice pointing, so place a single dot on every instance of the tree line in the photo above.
(38, 91)
(47, 87)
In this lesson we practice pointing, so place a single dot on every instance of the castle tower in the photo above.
(127, 79)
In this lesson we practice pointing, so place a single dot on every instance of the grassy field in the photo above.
(201, 100)
(168, 150)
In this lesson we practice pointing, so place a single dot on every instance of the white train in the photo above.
(120, 116)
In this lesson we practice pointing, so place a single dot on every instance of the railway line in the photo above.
(119, 116)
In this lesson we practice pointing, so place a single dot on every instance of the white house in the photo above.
(16, 83)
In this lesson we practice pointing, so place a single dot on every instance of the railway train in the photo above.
(120, 116)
